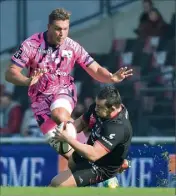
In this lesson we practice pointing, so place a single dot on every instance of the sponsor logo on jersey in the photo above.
(43, 51)
(111, 136)
(105, 140)
(67, 53)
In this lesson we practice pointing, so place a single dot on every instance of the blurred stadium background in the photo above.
(113, 32)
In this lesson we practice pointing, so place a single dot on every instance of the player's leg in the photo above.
(42, 112)
(82, 176)
(47, 125)
(58, 109)
(64, 179)
(61, 109)
(63, 104)
(82, 173)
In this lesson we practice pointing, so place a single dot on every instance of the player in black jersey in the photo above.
(107, 146)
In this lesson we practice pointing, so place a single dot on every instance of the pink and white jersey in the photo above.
(35, 52)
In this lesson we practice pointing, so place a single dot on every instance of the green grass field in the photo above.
(43, 191)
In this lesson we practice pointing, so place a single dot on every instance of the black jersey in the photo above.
(113, 134)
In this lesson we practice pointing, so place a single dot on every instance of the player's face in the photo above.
(101, 109)
(58, 31)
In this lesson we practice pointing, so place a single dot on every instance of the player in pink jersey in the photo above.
(50, 57)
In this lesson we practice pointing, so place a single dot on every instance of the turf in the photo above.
(43, 191)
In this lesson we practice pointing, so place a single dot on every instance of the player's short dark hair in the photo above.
(112, 96)
(59, 14)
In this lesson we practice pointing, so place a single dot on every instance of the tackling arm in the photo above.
(108, 140)
(89, 152)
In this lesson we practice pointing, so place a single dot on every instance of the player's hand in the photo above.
(60, 133)
(36, 75)
(121, 74)
(125, 165)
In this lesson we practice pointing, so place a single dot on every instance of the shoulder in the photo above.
(119, 131)
(112, 124)
(122, 117)
(121, 122)
(34, 40)
(71, 43)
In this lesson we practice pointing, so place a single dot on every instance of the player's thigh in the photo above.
(64, 179)
(42, 113)
(61, 108)
(85, 175)
(85, 172)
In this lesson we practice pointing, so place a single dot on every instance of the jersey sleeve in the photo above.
(82, 57)
(112, 134)
(23, 55)
(86, 115)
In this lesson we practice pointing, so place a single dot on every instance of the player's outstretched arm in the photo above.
(101, 74)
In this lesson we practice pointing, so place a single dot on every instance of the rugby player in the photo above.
(104, 154)
(50, 57)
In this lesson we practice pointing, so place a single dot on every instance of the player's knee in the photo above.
(64, 179)
(60, 115)
(56, 183)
